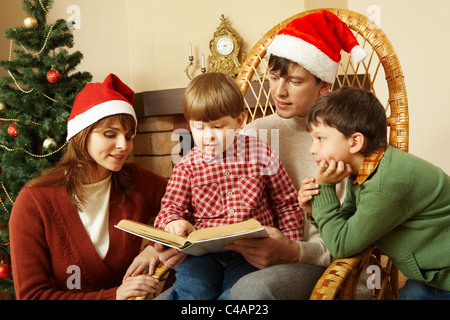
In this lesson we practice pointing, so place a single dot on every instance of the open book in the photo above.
(200, 241)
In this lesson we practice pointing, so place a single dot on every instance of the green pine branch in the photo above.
(37, 108)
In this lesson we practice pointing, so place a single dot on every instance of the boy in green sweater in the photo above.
(395, 200)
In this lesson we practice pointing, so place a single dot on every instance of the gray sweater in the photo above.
(288, 137)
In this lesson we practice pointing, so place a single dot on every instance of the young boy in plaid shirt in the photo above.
(226, 178)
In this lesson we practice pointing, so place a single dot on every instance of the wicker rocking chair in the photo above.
(340, 279)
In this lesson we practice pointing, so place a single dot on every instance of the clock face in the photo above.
(225, 46)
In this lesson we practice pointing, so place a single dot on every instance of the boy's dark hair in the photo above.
(350, 110)
(282, 64)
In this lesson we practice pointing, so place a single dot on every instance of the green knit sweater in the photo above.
(403, 207)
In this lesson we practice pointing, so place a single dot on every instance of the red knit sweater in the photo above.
(50, 246)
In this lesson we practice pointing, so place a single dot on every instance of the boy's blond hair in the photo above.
(211, 96)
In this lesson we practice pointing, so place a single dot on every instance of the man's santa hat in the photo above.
(99, 100)
(315, 41)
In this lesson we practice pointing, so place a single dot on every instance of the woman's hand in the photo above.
(137, 286)
(147, 258)
(136, 282)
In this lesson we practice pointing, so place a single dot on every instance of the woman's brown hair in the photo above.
(77, 168)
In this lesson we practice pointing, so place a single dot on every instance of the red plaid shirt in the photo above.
(246, 181)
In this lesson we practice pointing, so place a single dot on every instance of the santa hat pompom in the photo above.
(358, 54)
(315, 42)
(99, 100)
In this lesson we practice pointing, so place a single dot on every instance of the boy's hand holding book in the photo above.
(180, 227)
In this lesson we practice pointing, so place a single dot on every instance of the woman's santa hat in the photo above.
(315, 41)
(99, 100)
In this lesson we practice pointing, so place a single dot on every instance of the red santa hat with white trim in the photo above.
(315, 42)
(99, 100)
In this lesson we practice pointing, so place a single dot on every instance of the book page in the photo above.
(221, 231)
(202, 247)
(149, 232)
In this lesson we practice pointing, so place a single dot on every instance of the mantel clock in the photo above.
(226, 56)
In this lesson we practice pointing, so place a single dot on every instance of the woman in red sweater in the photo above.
(63, 241)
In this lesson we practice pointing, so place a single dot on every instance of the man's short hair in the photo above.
(283, 65)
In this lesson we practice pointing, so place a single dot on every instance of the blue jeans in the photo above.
(416, 290)
(209, 277)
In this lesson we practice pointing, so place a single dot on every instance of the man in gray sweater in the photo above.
(299, 73)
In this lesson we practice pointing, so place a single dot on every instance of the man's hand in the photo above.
(266, 252)
(333, 172)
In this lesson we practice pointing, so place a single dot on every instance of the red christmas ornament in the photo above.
(53, 76)
(5, 270)
(13, 131)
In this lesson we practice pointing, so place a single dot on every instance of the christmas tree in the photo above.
(35, 102)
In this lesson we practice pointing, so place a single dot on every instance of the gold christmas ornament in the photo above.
(30, 22)
(49, 143)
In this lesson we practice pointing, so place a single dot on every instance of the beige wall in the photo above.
(145, 42)
(418, 31)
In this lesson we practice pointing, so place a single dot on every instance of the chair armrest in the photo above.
(341, 278)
